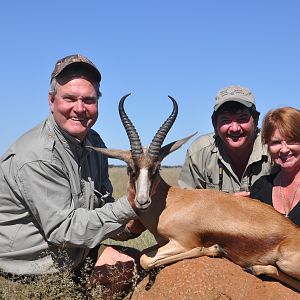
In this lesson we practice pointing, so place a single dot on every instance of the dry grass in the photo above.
(58, 286)
(61, 286)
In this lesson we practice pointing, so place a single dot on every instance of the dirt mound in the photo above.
(210, 278)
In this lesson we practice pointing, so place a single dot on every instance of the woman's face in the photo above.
(285, 153)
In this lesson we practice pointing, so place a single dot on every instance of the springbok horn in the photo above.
(134, 139)
(162, 132)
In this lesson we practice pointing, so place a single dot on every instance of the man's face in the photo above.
(237, 130)
(75, 106)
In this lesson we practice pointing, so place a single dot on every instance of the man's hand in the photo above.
(243, 194)
(135, 227)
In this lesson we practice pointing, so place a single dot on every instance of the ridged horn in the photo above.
(134, 139)
(162, 132)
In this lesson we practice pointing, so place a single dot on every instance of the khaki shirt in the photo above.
(207, 166)
(52, 196)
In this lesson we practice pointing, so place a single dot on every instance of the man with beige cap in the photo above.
(233, 157)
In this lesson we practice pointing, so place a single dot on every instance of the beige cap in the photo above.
(234, 93)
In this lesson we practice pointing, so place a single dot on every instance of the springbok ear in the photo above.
(165, 150)
(124, 155)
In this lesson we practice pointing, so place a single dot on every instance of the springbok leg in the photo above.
(173, 252)
(274, 272)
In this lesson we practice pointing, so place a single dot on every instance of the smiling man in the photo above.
(55, 194)
(233, 157)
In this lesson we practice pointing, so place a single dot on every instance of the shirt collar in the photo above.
(72, 144)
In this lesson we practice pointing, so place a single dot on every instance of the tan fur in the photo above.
(192, 223)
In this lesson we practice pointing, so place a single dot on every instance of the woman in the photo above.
(281, 132)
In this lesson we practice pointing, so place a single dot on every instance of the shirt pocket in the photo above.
(212, 186)
(212, 181)
(76, 198)
(88, 199)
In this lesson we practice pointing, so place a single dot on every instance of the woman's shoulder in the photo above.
(265, 179)
(262, 188)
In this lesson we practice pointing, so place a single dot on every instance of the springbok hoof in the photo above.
(249, 270)
(220, 250)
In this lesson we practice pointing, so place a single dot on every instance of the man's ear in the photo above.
(51, 101)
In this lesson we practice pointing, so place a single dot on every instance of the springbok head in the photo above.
(144, 163)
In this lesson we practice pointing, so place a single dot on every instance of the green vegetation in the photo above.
(61, 286)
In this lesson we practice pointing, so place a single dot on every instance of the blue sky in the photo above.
(187, 49)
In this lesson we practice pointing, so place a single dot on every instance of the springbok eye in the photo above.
(130, 172)
(155, 171)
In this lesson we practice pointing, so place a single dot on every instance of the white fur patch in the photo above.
(143, 187)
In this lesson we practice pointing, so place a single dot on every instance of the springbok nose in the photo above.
(143, 204)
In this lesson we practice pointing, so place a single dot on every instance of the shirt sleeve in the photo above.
(46, 191)
(189, 176)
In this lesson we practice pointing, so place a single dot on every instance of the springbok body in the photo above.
(193, 223)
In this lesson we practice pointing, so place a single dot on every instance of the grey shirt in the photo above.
(207, 165)
(52, 195)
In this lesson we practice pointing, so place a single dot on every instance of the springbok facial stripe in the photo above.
(143, 187)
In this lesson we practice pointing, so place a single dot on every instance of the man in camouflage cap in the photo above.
(55, 204)
(72, 61)
(233, 157)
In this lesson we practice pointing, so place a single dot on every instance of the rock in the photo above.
(210, 278)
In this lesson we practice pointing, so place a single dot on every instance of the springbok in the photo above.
(193, 223)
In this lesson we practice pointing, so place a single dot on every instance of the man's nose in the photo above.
(79, 106)
(234, 126)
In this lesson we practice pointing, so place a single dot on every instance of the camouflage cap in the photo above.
(74, 59)
(234, 93)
